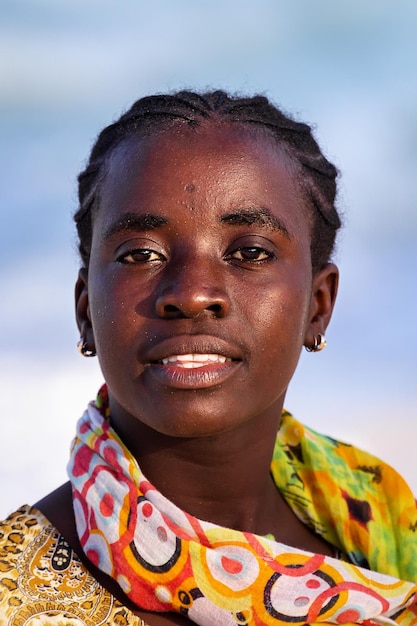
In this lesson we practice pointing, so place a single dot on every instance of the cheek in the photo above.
(282, 310)
(114, 310)
(281, 339)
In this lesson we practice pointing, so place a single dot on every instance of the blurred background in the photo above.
(68, 68)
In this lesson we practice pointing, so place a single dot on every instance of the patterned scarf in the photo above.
(167, 560)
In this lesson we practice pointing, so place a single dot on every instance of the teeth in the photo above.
(190, 361)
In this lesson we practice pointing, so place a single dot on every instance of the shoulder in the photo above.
(41, 576)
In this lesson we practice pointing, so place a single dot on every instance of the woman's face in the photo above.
(200, 293)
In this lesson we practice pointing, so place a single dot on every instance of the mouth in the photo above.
(192, 362)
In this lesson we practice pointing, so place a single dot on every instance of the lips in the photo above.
(192, 362)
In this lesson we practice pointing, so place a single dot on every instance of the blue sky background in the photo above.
(68, 68)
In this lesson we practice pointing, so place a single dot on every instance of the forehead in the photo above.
(209, 167)
(181, 145)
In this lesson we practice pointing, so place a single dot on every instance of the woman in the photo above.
(206, 227)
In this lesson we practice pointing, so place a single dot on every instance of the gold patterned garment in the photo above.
(43, 583)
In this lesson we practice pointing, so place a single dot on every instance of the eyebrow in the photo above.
(136, 222)
(259, 216)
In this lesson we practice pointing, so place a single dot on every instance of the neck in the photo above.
(223, 478)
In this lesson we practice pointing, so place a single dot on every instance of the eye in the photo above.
(140, 255)
(251, 254)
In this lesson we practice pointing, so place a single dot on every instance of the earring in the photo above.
(83, 349)
(319, 344)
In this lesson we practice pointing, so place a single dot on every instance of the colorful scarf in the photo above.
(167, 560)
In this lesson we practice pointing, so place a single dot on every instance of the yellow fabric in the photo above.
(354, 500)
(43, 583)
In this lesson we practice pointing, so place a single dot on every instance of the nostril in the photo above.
(171, 308)
(215, 308)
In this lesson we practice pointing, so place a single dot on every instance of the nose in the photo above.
(190, 291)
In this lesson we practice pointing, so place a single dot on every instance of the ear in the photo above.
(323, 298)
(82, 309)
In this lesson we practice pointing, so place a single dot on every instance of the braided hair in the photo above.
(149, 115)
